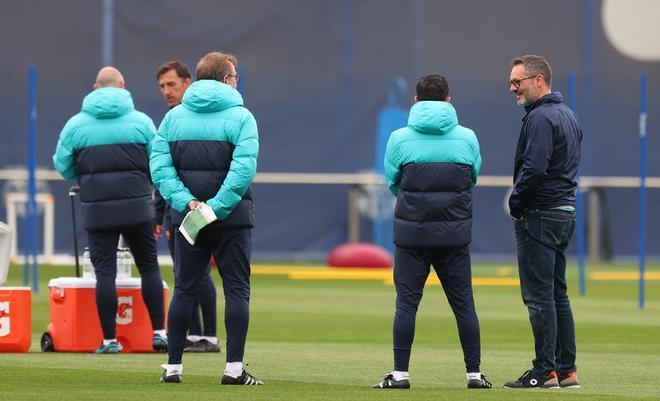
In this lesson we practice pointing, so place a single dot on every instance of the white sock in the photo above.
(172, 369)
(161, 333)
(212, 340)
(234, 369)
(193, 338)
(398, 375)
(474, 375)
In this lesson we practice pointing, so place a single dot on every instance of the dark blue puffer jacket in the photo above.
(547, 157)
(432, 165)
(206, 149)
(106, 147)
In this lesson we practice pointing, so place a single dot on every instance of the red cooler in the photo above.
(75, 325)
(15, 319)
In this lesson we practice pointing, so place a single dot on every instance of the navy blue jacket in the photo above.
(432, 165)
(106, 147)
(547, 157)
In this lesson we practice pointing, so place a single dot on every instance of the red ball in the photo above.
(358, 254)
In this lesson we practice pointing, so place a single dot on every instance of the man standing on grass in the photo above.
(173, 80)
(431, 166)
(106, 147)
(543, 206)
(206, 151)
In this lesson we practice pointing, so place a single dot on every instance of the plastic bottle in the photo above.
(124, 264)
(88, 267)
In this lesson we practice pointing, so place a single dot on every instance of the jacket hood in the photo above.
(209, 96)
(108, 103)
(432, 117)
(554, 97)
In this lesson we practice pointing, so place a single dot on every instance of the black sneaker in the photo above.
(174, 376)
(203, 345)
(389, 382)
(187, 344)
(530, 379)
(568, 380)
(481, 382)
(244, 379)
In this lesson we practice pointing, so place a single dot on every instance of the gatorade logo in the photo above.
(4, 319)
(125, 310)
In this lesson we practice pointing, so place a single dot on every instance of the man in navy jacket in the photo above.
(543, 206)
(173, 79)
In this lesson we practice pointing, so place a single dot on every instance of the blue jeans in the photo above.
(542, 237)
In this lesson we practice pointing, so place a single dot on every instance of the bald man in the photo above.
(106, 148)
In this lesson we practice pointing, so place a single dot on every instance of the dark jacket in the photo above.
(106, 147)
(431, 165)
(206, 149)
(547, 157)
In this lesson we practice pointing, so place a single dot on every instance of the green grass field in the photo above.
(331, 340)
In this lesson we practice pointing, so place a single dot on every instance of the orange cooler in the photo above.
(75, 325)
(15, 319)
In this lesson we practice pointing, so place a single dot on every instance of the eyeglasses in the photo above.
(238, 77)
(516, 82)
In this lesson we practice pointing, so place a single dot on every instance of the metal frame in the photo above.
(356, 182)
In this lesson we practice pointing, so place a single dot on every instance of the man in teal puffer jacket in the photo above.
(431, 166)
(206, 151)
(106, 148)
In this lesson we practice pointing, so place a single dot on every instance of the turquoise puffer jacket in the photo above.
(206, 149)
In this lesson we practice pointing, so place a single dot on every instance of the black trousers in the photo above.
(411, 269)
(231, 249)
(103, 251)
(205, 302)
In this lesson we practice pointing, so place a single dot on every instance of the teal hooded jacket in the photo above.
(206, 149)
(431, 166)
(106, 148)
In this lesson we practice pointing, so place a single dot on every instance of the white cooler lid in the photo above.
(79, 282)
(16, 288)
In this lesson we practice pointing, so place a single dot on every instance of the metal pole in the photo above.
(579, 201)
(107, 32)
(31, 242)
(642, 187)
(72, 195)
(353, 213)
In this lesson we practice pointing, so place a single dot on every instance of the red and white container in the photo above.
(15, 319)
(74, 323)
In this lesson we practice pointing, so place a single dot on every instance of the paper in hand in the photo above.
(195, 220)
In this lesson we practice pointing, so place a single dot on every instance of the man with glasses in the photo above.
(432, 165)
(206, 151)
(543, 206)
(173, 79)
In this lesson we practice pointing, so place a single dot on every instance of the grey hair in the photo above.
(535, 65)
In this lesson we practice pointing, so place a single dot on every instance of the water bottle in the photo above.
(124, 264)
(88, 267)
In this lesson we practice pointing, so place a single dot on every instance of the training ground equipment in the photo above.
(15, 319)
(359, 255)
(5, 251)
(75, 325)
